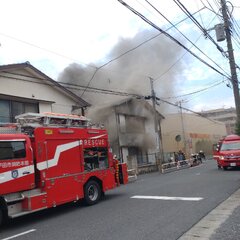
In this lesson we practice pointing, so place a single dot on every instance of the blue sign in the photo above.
(14, 173)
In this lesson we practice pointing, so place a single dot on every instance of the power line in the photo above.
(73, 86)
(194, 20)
(184, 108)
(211, 9)
(169, 36)
(198, 91)
(193, 44)
(108, 62)
(97, 90)
(146, 41)
(46, 50)
(103, 65)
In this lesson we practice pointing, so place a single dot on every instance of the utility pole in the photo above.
(157, 130)
(234, 78)
(183, 128)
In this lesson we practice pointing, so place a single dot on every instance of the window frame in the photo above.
(26, 104)
(23, 141)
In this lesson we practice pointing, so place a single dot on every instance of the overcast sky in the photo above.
(52, 35)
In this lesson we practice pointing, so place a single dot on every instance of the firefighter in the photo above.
(116, 166)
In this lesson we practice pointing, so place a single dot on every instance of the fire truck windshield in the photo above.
(230, 146)
(12, 150)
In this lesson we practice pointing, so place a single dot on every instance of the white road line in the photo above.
(168, 198)
(20, 234)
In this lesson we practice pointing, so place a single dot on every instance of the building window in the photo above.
(135, 124)
(9, 109)
(4, 111)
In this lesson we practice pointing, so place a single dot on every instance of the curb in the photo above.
(207, 226)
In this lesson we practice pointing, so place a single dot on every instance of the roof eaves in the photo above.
(62, 88)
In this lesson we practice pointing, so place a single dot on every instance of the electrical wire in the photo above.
(108, 62)
(146, 41)
(200, 13)
(93, 89)
(194, 20)
(185, 10)
(46, 50)
(97, 90)
(171, 37)
(184, 108)
(73, 86)
(212, 10)
(193, 44)
(198, 91)
(159, 77)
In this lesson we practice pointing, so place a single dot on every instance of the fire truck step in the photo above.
(13, 197)
(18, 214)
(33, 192)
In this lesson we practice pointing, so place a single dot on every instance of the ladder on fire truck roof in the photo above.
(52, 119)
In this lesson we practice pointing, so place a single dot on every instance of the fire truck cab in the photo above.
(227, 152)
(51, 159)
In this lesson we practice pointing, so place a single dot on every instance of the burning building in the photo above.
(132, 135)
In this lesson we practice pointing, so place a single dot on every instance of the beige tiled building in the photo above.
(190, 133)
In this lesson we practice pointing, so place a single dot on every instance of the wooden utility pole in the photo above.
(183, 129)
(157, 129)
(232, 63)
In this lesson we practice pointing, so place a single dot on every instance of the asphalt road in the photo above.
(118, 216)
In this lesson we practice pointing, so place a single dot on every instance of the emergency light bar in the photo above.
(52, 119)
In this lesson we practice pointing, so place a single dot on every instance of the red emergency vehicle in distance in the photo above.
(52, 159)
(227, 152)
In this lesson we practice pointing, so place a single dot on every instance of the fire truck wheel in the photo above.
(2, 217)
(92, 192)
(225, 168)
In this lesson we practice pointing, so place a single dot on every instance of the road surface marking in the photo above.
(20, 234)
(168, 198)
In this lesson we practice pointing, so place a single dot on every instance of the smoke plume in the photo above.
(129, 73)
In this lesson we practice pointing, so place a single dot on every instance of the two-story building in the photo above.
(131, 128)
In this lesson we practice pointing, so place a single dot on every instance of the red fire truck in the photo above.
(227, 152)
(51, 159)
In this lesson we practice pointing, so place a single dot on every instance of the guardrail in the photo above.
(173, 166)
(132, 175)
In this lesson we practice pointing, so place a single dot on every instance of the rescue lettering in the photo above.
(93, 142)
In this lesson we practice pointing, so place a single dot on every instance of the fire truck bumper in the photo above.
(225, 163)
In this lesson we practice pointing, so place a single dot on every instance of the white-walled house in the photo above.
(24, 88)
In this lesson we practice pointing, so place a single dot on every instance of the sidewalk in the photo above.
(230, 230)
(222, 223)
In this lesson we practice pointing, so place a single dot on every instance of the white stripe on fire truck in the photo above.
(98, 136)
(54, 161)
(19, 172)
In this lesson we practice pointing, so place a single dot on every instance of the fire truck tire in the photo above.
(2, 217)
(92, 192)
(225, 168)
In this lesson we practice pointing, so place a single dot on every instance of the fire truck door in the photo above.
(16, 166)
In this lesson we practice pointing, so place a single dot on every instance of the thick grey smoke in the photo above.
(129, 73)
